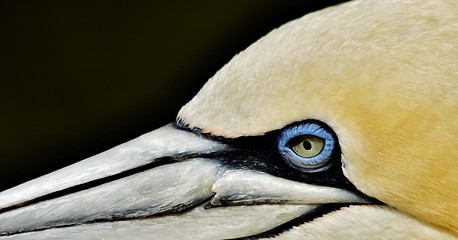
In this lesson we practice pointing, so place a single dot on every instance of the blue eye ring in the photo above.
(316, 163)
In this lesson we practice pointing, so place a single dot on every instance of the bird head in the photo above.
(341, 122)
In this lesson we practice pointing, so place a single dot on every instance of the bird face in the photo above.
(338, 124)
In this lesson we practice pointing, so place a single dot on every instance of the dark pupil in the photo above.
(307, 145)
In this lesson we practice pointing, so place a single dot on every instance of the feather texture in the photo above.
(382, 74)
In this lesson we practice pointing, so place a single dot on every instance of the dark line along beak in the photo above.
(132, 180)
(136, 187)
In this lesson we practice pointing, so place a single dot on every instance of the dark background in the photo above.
(79, 77)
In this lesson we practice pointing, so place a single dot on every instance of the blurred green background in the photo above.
(79, 77)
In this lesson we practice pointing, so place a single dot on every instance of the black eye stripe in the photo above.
(260, 153)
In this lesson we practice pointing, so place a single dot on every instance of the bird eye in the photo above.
(307, 147)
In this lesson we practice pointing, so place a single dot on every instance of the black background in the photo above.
(79, 77)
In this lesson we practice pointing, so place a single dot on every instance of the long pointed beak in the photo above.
(120, 183)
(151, 185)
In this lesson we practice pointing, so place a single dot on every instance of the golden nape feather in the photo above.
(382, 74)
